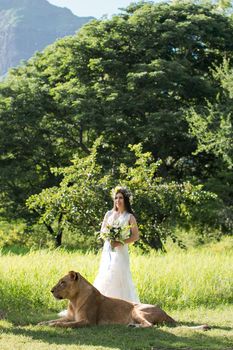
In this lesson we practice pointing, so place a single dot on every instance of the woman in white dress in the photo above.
(114, 277)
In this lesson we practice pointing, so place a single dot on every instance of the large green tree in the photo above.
(130, 79)
(212, 126)
(80, 201)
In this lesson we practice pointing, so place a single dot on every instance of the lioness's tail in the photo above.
(202, 327)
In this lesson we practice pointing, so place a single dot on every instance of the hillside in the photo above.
(27, 26)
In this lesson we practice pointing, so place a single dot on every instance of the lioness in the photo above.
(87, 306)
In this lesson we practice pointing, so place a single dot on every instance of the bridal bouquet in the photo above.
(115, 232)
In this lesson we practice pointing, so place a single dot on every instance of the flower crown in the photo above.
(122, 189)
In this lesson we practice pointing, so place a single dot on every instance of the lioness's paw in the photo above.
(133, 325)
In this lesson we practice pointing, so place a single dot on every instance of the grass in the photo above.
(194, 287)
(30, 336)
(175, 280)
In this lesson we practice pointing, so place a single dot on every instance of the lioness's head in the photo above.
(67, 287)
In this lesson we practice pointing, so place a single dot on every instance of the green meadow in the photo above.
(194, 287)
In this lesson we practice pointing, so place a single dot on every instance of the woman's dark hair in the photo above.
(126, 196)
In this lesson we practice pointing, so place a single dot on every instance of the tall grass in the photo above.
(174, 280)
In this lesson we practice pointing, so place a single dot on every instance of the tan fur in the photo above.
(87, 306)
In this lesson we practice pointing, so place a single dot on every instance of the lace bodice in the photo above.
(112, 217)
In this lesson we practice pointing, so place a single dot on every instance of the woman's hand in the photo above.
(115, 244)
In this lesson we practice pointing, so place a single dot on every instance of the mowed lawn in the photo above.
(194, 287)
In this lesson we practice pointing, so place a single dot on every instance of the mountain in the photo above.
(27, 26)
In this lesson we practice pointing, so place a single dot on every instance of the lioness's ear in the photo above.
(73, 275)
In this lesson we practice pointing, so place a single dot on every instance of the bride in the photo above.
(114, 277)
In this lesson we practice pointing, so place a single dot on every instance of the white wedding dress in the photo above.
(114, 277)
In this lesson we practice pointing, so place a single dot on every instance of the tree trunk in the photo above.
(58, 237)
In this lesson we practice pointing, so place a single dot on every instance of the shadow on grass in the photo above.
(123, 338)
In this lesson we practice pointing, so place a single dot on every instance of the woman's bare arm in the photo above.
(134, 230)
(104, 223)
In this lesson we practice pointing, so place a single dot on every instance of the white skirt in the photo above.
(114, 277)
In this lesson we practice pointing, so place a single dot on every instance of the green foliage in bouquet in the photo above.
(115, 232)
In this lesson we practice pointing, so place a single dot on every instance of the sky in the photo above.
(95, 8)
